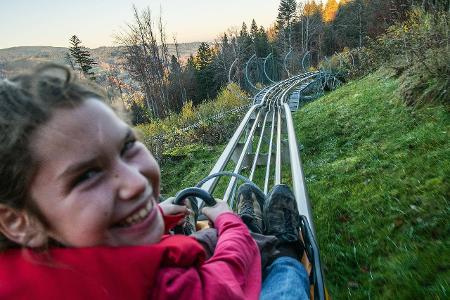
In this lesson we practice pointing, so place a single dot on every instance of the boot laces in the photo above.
(246, 208)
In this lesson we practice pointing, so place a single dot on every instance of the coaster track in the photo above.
(265, 145)
(268, 125)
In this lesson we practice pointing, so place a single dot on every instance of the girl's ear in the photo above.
(21, 227)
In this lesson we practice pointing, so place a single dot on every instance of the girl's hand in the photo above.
(169, 208)
(213, 212)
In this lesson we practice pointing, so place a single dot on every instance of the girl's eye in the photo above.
(127, 146)
(86, 176)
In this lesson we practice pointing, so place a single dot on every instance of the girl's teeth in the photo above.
(137, 216)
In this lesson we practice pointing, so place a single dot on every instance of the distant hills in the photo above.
(16, 60)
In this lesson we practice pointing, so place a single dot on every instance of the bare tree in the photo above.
(224, 59)
(147, 60)
(117, 84)
(179, 76)
(240, 50)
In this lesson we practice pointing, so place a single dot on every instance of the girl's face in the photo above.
(95, 184)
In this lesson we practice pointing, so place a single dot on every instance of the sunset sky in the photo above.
(52, 22)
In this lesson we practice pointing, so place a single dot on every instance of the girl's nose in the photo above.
(131, 182)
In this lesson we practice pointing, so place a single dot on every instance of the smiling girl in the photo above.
(78, 211)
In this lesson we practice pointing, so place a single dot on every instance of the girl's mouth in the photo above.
(137, 217)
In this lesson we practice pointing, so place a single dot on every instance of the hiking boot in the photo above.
(249, 203)
(281, 215)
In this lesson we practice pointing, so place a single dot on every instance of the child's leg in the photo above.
(286, 277)
(250, 202)
(267, 245)
(281, 214)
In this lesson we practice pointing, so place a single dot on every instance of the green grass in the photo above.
(179, 172)
(377, 174)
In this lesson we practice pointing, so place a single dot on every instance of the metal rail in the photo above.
(268, 111)
(285, 64)
(264, 67)
(246, 72)
(269, 122)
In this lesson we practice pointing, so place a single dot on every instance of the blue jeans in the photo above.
(286, 278)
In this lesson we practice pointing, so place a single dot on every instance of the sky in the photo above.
(95, 22)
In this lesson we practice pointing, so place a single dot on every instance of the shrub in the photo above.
(424, 65)
(139, 114)
(427, 80)
(417, 49)
(195, 125)
(182, 151)
(187, 112)
(352, 63)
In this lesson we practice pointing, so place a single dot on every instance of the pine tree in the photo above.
(204, 56)
(245, 43)
(82, 57)
(224, 59)
(285, 18)
(189, 80)
(286, 13)
(263, 46)
(175, 88)
(226, 46)
(351, 24)
(254, 30)
(205, 72)
(244, 31)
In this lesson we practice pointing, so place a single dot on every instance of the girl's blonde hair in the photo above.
(26, 103)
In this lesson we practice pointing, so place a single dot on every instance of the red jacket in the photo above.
(172, 269)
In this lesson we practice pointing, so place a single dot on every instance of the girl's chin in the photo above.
(156, 233)
(149, 231)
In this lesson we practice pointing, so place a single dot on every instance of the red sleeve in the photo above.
(233, 272)
(170, 221)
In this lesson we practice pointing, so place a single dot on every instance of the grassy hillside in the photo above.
(378, 178)
(187, 171)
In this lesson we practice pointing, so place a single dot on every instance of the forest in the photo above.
(353, 37)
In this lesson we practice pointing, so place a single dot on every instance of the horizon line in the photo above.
(96, 47)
